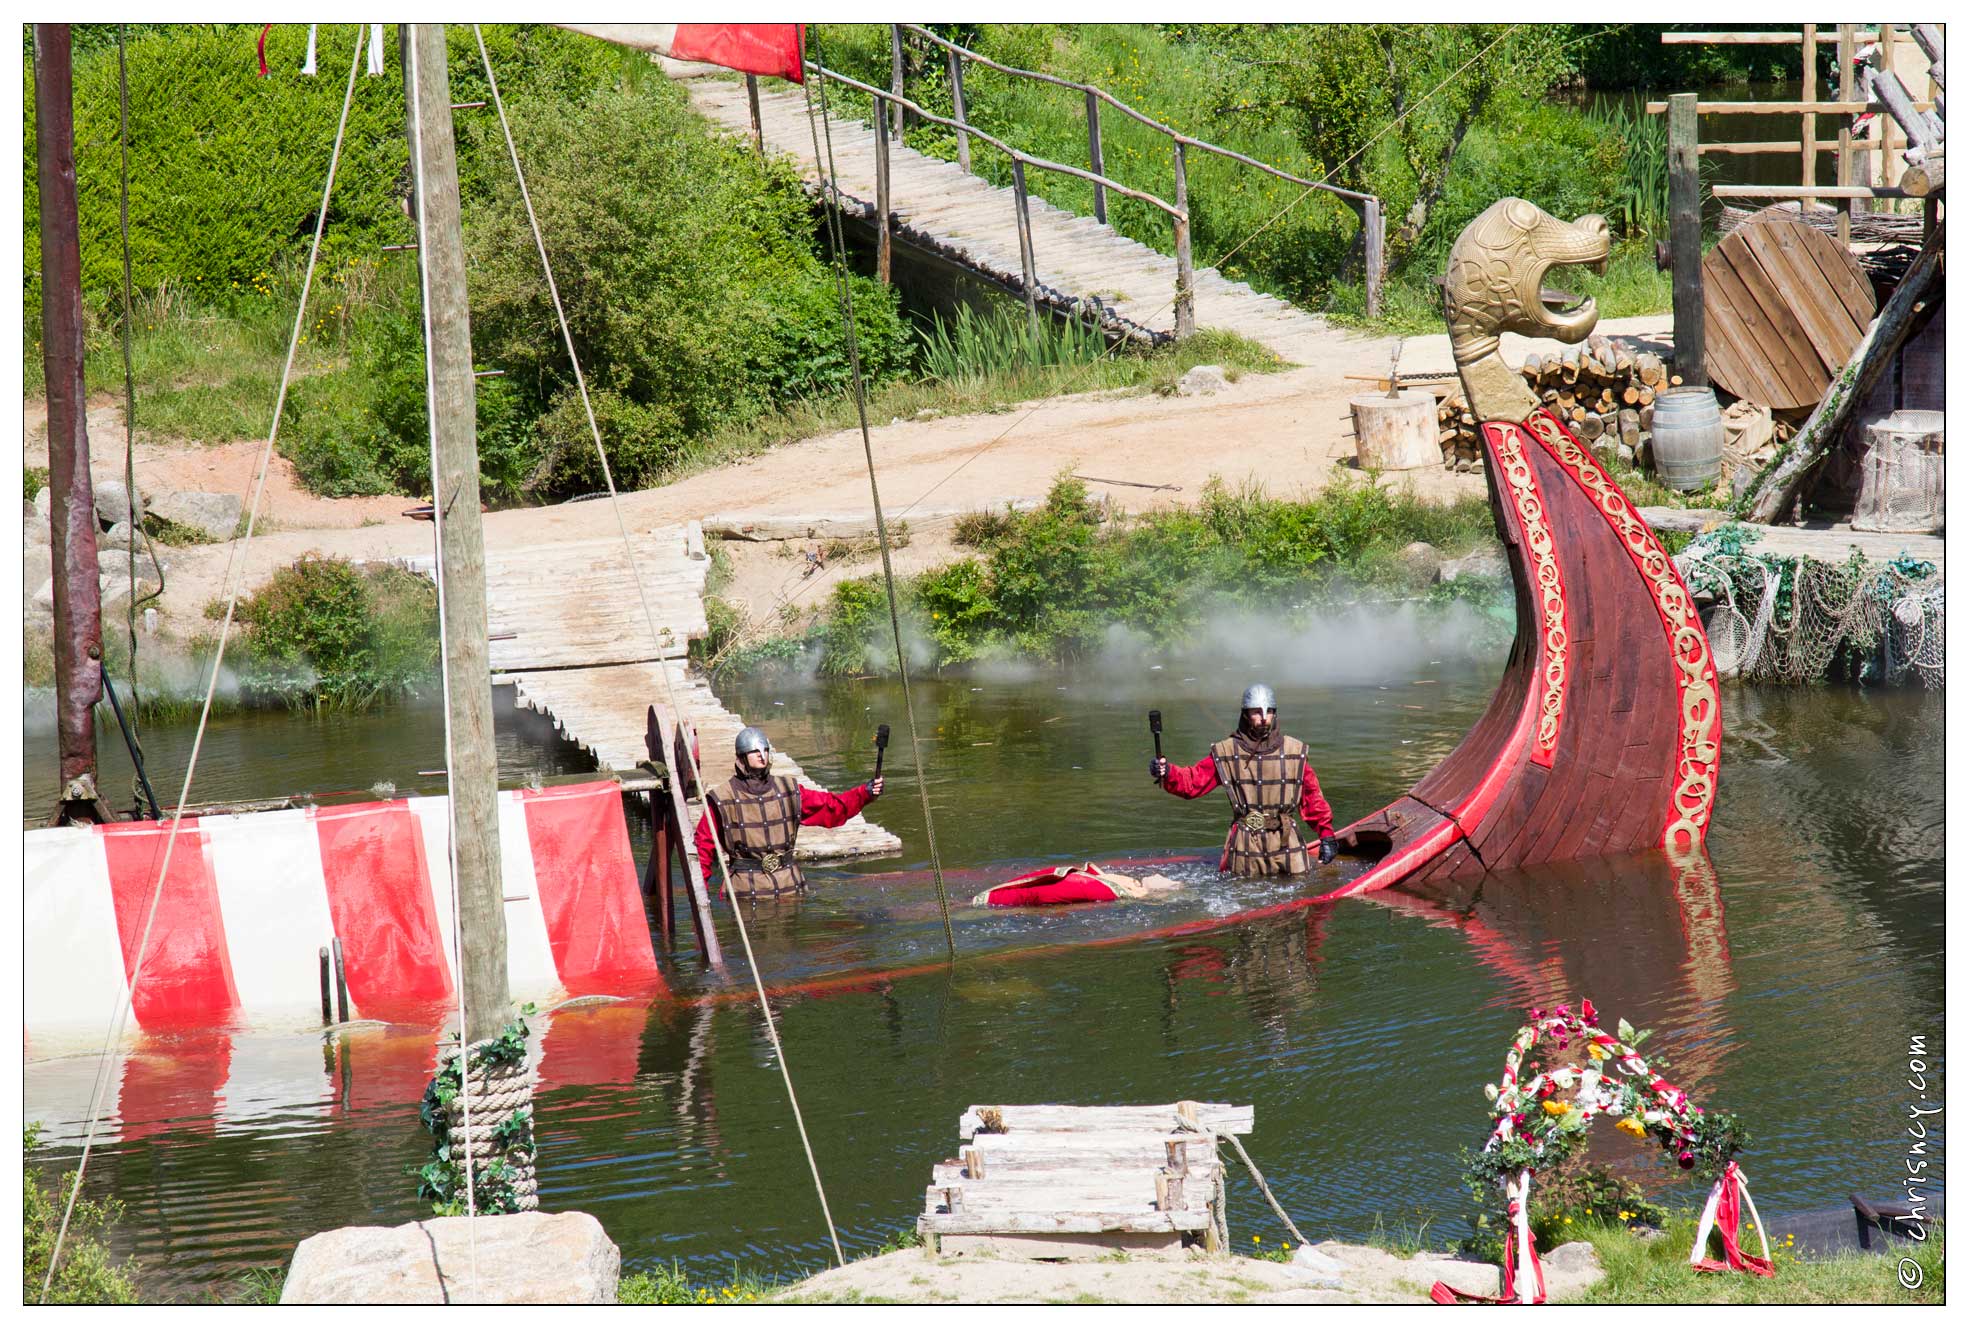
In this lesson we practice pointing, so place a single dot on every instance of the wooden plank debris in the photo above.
(1055, 1180)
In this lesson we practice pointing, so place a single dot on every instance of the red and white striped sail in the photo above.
(750, 48)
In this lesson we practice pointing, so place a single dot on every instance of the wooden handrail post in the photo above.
(1886, 174)
(895, 74)
(957, 101)
(1808, 134)
(1375, 227)
(1027, 267)
(882, 254)
(752, 104)
(1685, 237)
(1185, 269)
(1094, 155)
(1843, 162)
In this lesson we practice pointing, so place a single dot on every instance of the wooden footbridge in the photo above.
(1052, 258)
(568, 632)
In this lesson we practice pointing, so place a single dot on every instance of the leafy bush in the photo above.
(672, 1287)
(34, 479)
(226, 167)
(87, 1275)
(327, 634)
(687, 268)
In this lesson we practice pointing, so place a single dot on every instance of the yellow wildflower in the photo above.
(1554, 1108)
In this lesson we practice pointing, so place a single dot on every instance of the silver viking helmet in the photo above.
(1258, 697)
(751, 739)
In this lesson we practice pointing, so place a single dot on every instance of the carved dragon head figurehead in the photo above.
(1496, 284)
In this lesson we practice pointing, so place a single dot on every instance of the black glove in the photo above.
(1329, 849)
(1158, 768)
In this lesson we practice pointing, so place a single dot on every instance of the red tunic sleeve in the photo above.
(820, 808)
(1313, 805)
(1192, 781)
(707, 854)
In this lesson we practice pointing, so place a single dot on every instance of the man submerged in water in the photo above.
(1088, 883)
(757, 816)
(1268, 776)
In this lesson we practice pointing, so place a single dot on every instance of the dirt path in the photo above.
(1289, 433)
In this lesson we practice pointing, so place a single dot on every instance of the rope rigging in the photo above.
(838, 244)
(657, 638)
(235, 569)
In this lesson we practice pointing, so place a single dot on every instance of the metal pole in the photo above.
(752, 103)
(895, 75)
(1094, 155)
(1843, 167)
(1809, 132)
(1026, 264)
(1185, 270)
(957, 101)
(72, 516)
(884, 258)
(1685, 238)
(1375, 225)
(474, 765)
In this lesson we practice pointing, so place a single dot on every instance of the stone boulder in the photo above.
(1421, 560)
(37, 566)
(44, 502)
(36, 530)
(1488, 562)
(530, 1259)
(113, 565)
(1202, 381)
(120, 536)
(113, 503)
(215, 514)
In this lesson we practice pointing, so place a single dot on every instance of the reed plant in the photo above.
(971, 345)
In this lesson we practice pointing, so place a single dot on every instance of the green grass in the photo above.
(1656, 1272)
(671, 1287)
(1412, 305)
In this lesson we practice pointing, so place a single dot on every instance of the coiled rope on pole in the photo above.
(235, 570)
(657, 638)
(838, 244)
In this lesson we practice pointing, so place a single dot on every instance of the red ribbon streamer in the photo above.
(1729, 1218)
(1445, 1295)
(263, 49)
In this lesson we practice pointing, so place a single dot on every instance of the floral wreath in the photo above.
(1540, 1122)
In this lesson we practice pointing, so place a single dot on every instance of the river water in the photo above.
(1783, 984)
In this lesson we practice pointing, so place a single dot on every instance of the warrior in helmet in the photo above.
(757, 815)
(1269, 778)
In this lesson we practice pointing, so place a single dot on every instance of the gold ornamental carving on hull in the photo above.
(1699, 751)
(1508, 444)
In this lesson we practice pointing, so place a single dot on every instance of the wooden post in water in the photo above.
(1185, 268)
(1027, 267)
(883, 257)
(957, 102)
(701, 917)
(474, 765)
(895, 75)
(752, 104)
(1685, 238)
(1375, 227)
(1094, 155)
(72, 514)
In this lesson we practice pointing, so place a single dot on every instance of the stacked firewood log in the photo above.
(1603, 392)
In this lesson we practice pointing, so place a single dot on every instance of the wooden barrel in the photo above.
(1688, 438)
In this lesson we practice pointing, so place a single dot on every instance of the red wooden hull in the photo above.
(1604, 734)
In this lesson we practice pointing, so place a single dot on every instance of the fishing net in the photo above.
(1794, 620)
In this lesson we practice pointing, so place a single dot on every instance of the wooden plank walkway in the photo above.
(939, 209)
(568, 632)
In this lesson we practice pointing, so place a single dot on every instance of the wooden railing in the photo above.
(1368, 206)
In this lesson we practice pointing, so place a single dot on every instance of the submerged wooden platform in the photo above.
(569, 633)
(940, 211)
(1053, 1181)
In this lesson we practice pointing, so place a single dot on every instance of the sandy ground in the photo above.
(1288, 432)
(1340, 1274)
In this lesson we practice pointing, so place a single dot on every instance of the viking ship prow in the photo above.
(1604, 734)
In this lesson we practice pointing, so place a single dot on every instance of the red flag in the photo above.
(750, 48)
